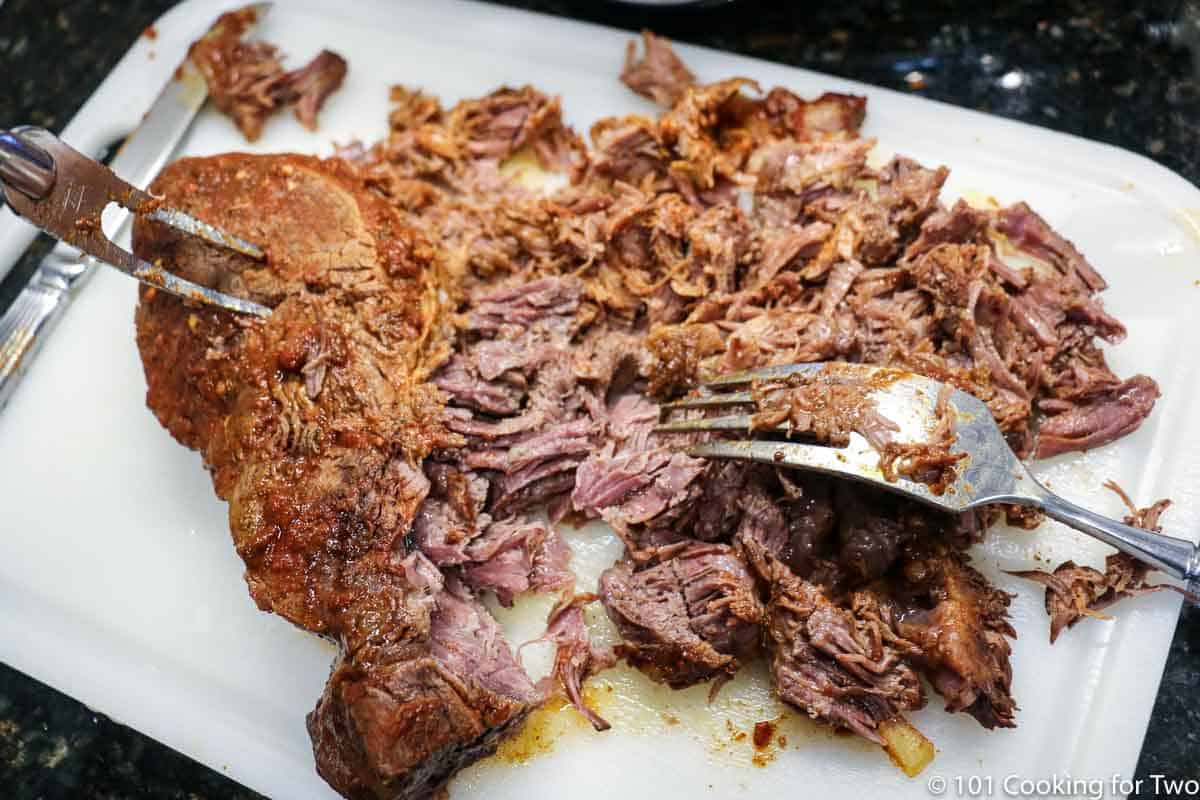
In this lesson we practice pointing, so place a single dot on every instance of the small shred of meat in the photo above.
(1098, 421)
(659, 74)
(309, 86)
(1145, 518)
(247, 81)
(575, 657)
(929, 462)
(1029, 231)
(636, 476)
(1074, 592)
(830, 113)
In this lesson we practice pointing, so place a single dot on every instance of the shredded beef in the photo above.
(692, 617)
(512, 556)
(959, 623)
(931, 461)
(831, 664)
(575, 657)
(1030, 232)
(635, 477)
(1098, 421)
(389, 439)
(247, 81)
(658, 74)
(1074, 592)
(821, 406)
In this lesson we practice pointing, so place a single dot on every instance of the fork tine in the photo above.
(156, 276)
(860, 465)
(763, 374)
(188, 224)
(733, 422)
(835, 370)
(809, 456)
(711, 401)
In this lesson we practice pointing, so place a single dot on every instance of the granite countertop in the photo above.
(1126, 76)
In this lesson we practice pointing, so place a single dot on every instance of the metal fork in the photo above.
(64, 192)
(988, 473)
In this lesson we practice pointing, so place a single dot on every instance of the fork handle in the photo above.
(1176, 557)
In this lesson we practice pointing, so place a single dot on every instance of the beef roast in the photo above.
(321, 486)
(388, 439)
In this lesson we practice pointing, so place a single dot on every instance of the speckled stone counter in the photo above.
(1126, 76)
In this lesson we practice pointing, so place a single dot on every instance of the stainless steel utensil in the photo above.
(989, 473)
(30, 318)
(64, 193)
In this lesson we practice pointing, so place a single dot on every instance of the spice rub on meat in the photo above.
(314, 424)
(389, 439)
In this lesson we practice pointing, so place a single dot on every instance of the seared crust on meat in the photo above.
(311, 421)
(314, 424)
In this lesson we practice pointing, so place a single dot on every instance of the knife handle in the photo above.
(28, 321)
(27, 167)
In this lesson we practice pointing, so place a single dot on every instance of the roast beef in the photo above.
(1075, 592)
(389, 438)
(247, 81)
(691, 617)
(829, 664)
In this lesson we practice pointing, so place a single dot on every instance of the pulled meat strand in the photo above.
(575, 658)
(659, 74)
(1074, 592)
(247, 81)
(929, 462)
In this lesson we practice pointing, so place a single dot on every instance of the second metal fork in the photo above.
(988, 471)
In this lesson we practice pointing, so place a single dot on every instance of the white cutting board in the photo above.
(119, 584)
